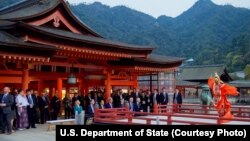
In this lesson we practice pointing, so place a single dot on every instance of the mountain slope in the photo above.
(204, 32)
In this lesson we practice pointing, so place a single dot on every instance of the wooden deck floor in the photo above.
(38, 134)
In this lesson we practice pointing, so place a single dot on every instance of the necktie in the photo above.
(30, 100)
(154, 100)
(131, 107)
(4, 97)
(92, 108)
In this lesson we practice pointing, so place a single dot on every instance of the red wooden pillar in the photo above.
(135, 81)
(108, 86)
(40, 87)
(53, 91)
(86, 87)
(25, 79)
(59, 87)
(82, 85)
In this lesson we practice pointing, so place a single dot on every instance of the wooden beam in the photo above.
(10, 72)
(69, 50)
(121, 83)
(65, 64)
(44, 75)
(10, 79)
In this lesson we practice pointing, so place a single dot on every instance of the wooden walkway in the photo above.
(38, 134)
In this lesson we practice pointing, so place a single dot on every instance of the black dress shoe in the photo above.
(27, 127)
(33, 127)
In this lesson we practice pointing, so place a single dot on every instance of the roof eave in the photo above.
(148, 50)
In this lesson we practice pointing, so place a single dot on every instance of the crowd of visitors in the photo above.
(23, 109)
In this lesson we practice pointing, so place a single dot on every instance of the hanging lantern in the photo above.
(71, 79)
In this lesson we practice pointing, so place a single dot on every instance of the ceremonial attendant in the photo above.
(220, 90)
(22, 104)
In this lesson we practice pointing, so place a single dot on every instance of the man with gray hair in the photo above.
(6, 100)
(110, 103)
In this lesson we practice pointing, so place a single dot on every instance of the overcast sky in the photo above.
(156, 8)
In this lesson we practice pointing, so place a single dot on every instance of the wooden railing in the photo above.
(166, 115)
(238, 111)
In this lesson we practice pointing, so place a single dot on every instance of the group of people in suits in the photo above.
(137, 100)
(23, 109)
(17, 110)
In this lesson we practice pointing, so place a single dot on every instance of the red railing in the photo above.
(165, 116)
(238, 111)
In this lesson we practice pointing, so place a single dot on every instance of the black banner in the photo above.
(170, 132)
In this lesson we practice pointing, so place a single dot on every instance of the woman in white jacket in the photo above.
(22, 103)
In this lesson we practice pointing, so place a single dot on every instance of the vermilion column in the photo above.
(25, 79)
(59, 87)
(40, 87)
(135, 81)
(82, 86)
(108, 86)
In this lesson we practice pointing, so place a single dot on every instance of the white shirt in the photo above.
(22, 99)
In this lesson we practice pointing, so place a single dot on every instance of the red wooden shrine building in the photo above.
(42, 43)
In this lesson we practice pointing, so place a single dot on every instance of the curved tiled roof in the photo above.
(33, 8)
(9, 43)
(85, 38)
(17, 16)
(155, 58)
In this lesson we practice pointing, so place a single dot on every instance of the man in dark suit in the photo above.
(43, 103)
(164, 97)
(131, 104)
(31, 109)
(55, 105)
(110, 103)
(91, 109)
(136, 94)
(155, 97)
(6, 101)
(137, 105)
(177, 98)
(101, 105)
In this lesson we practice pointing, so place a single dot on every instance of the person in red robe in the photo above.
(220, 90)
